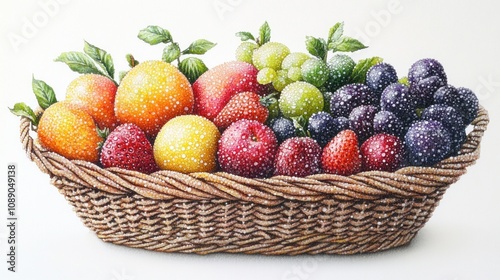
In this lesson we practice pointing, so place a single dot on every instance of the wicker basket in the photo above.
(218, 212)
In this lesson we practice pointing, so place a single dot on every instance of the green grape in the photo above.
(294, 59)
(314, 71)
(281, 80)
(266, 76)
(295, 74)
(245, 50)
(270, 55)
(300, 99)
(340, 67)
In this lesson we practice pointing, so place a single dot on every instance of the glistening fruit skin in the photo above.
(128, 147)
(298, 156)
(271, 55)
(300, 99)
(244, 105)
(315, 72)
(425, 77)
(340, 68)
(245, 50)
(215, 87)
(69, 131)
(361, 121)
(387, 122)
(95, 94)
(462, 99)
(187, 144)
(451, 120)
(427, 142)
(382, 152)
(341, 155)
(283, 128)
(396, 98)
(151, 94)
(380, 76)
(247, 148)
(350, 96)
(321, 128)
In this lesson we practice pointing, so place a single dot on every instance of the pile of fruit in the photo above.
(269, 112)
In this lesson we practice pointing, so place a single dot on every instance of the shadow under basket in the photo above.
(218, 212)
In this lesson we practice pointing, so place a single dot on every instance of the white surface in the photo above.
(461, 241)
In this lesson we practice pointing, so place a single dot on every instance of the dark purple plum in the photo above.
(462, 99)
(427, 142)
(424, 90)
(350, 96)
(361, 121)
(387, 122)
(425, 68)
(321, 128)
(380, 76)
(451, 120)
(396, 98)
(283, 128)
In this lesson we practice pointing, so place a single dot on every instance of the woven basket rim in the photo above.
(406, 182)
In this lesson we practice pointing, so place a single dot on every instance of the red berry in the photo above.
(341, 155)
(247, 148)
(298, 156)
(383, 152)
(244, 105)
(128, 147)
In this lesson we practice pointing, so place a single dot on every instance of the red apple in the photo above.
(213, 90)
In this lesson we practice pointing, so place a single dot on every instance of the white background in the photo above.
(462, 239)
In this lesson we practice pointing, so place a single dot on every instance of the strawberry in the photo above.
(128, 147)
(244, 105)
(341, 155)
(298, 156)
(247, 148)
(383, 152)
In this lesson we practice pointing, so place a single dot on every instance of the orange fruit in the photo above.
(152, 93)
(69, 131)
(96, 95)
(187, 144)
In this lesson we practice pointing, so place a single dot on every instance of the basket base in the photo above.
(215, 226)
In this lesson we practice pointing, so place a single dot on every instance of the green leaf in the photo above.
(192, 68)
(300, 123)
(200, 46)
(359, 72)
(131, 61)
(264, 34)
(101, 57)
(335, 32)
(404, 81)
(316, 47)
(80, 63)
(122, 75)
(171, 52)
(245, 36)
(154, 35)
(23, 110)
(44, 93)
(346, 44)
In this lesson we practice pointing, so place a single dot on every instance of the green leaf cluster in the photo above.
(191, 67)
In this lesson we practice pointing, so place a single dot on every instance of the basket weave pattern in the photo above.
(218, 212)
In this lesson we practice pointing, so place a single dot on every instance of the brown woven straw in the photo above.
(218, 212)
